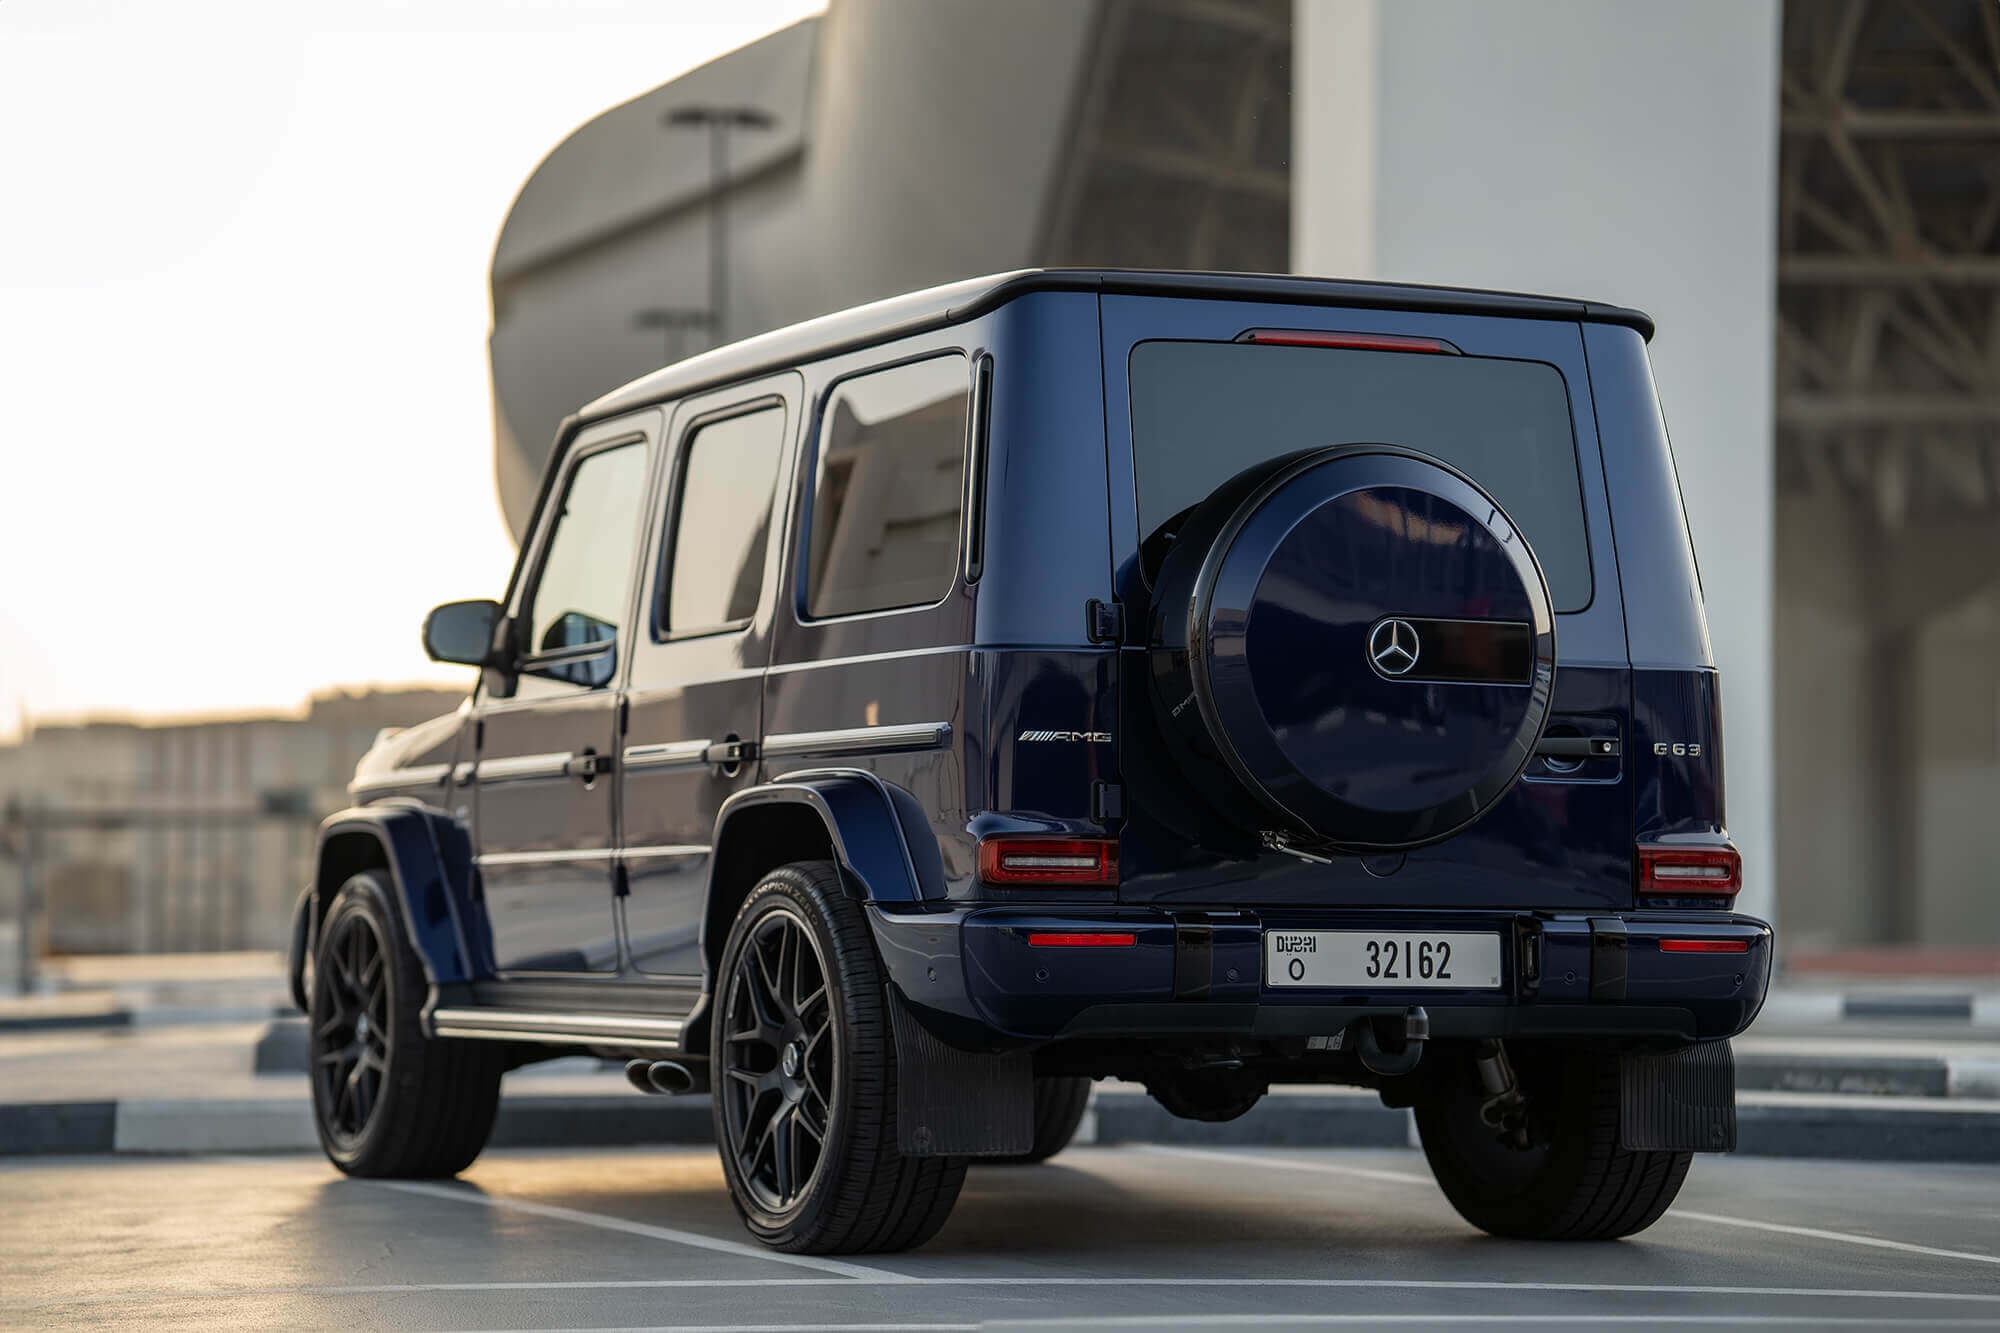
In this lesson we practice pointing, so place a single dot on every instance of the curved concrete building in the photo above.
(909, 144)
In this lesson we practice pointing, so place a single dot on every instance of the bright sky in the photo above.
(246, 429)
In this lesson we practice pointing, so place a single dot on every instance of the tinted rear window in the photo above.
(1203, 411)
(887, 489)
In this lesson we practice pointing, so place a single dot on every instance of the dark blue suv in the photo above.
(897, 721)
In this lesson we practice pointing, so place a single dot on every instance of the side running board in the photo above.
(622, 1030)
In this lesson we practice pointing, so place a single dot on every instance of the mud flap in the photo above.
(1683, 1100)
(953, 1103)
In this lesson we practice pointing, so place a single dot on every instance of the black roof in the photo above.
(935, 307)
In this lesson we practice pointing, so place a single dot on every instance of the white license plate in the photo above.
(1382, 959)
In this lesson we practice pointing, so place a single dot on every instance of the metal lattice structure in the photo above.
(1888, 384)
(1182, 140)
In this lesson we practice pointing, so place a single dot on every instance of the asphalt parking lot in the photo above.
(1102, 1237)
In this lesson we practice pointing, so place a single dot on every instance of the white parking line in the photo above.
(1815, 1233)
(1713, 1219)
(779, 1328)
(1253, 1321)
(957, 1280)
(1324, 1320)
(603, 1221)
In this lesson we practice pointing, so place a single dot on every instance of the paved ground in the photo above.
(1142, 1237)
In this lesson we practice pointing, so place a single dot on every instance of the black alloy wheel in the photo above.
(352, 1034)
(803, 1059)
(779, 1061)
(388, 1099)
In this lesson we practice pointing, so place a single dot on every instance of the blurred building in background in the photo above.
(908, 145)
(184, 835)
(1888, 471)
(1808, 197)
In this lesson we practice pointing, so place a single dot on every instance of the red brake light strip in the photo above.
(1080, 939)
(1364, 342)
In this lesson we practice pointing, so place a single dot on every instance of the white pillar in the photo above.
(1608, 149)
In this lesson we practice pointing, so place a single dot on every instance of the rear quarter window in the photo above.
(888, 489)
(1204, 411)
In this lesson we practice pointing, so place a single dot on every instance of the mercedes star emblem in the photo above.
(1393, 647)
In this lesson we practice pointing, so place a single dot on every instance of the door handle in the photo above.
(728, 753)
(589, 765)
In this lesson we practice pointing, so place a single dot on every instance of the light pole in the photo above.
(719, 121)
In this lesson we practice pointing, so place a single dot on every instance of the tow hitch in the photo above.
(1403, 1059)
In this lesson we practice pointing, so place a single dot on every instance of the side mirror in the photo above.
(462, 632)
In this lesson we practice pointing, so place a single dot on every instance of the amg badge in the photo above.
(1094, 737)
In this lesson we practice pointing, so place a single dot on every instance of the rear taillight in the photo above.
(1364, 342)
(1704, 946)
(1685, 872)
(1049, 861)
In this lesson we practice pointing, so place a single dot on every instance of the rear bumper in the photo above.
(976, 979)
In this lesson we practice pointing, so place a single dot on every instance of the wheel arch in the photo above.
(427, 857)
(851, 817)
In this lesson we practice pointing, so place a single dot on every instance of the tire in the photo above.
(1060, 1102)
(387, 1100)
(1573, 1182)
(804, 1069)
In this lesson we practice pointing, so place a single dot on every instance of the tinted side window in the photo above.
(722, 519)
(581, 591)
(1202, 412)
(888, 488)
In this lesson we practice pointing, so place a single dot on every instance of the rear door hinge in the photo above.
(1104, 621)
(1277, 841)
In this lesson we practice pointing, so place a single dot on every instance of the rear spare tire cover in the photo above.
(1360, 641)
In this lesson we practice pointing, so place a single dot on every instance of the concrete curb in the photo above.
(1868, 1129)
(1313, 1119)
(1857, 1128)
(164, 1126)
(141, 1016)
(1942, 1008)
(1882, 1076)
(62, 1021)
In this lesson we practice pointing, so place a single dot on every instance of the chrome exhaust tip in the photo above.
(662, 1077)
(670, 1077)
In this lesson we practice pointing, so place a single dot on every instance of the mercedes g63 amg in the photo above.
(897, 721)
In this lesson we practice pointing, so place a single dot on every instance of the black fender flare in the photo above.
(880, 838)
(881, 841)
(428, 857)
